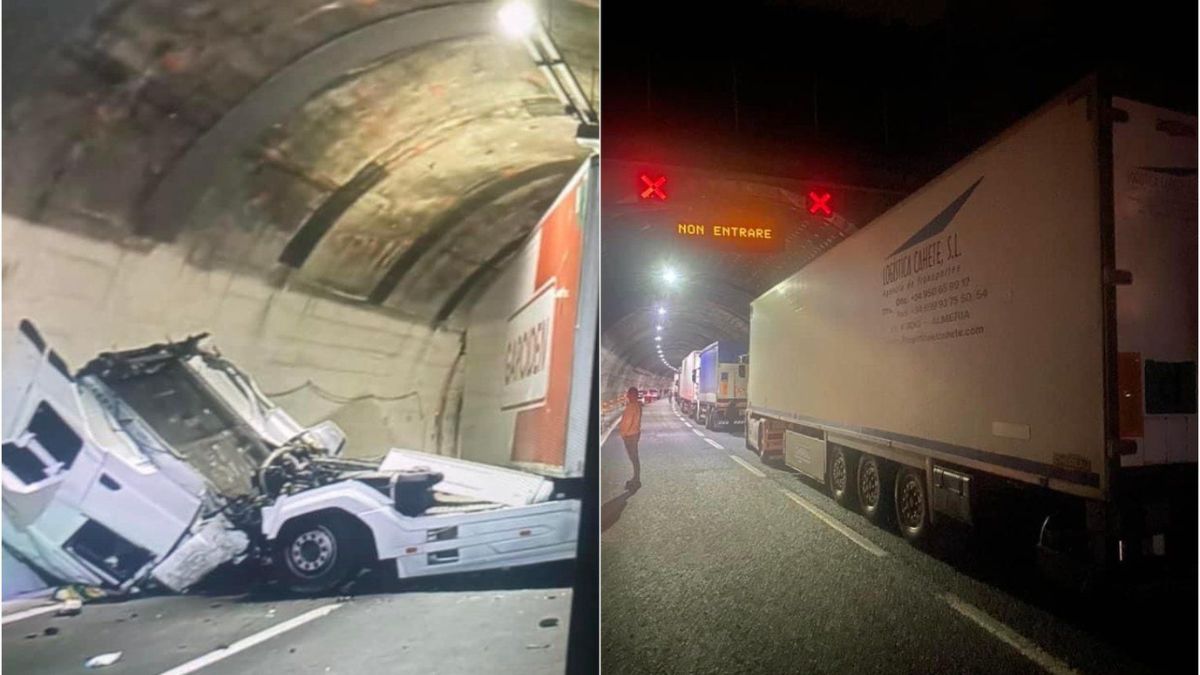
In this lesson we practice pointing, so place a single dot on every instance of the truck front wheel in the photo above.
(315, 554)
(912, 505)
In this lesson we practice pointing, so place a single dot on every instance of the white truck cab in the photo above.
(162, 463)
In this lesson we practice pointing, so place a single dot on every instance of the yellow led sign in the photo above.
(757, 237)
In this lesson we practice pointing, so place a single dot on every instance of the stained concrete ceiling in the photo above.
(388, 152)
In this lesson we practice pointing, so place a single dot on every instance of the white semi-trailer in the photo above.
(1023, 325)
(689, 383)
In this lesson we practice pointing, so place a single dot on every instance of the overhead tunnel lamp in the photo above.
(670, 275)
(519, 21)
(661, 311)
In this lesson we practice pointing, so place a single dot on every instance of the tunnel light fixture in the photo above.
(658, 338)
(517, 19)
(670, 275)
(662, 310)
(658, 328)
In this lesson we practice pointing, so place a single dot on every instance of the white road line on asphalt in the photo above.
(25, 614)
(848, 533)
(748, 466)
(248, 642)
(714, 443)
(609, 431)
(698, 433)
(1007, 635)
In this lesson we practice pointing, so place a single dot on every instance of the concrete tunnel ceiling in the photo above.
(392, 153)
(711, 302)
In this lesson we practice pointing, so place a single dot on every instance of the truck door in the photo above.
(44, 433)
(52, 458)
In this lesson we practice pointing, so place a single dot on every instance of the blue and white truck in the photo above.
(720, 378)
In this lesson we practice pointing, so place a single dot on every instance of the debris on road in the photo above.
(81, 592)
(70, 608)
(50, 631)
(548, 622)
(102, 660)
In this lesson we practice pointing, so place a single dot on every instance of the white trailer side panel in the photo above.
(1154, 215)
(966, 320)
(529, 343)
(687, 375)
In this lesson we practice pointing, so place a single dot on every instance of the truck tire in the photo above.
(871, 486)
(316, 553)
(840, 474)
(708, 420)
(912, 504)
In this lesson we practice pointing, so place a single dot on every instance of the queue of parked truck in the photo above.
(1017, 335)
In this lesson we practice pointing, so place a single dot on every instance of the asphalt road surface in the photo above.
(721, 563)
(505, 621)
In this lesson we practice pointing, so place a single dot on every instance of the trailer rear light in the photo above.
(410, 550)
(525, 533)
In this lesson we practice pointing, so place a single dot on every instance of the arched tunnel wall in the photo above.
(378, 376)
(158, 158)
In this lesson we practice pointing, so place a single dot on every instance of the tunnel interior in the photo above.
(710, 300)
(326, 187)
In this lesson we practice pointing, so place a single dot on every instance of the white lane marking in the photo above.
(248, 642)
(610, 430)
(698, 433)
(748, 466)
(1007, 635)
(25, 614)
(850, 534)
(714, 443)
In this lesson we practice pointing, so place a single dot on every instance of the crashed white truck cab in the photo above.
(160, 464)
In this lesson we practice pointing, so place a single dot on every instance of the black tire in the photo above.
(746, 435)
(708, 421)
(840, 475)
(912, 504)
(872, 487)
(317, 553)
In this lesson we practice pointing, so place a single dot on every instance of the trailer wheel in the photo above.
(912, 504)
(314, 554)
(872, 493)
(708, 420)
(841, 475)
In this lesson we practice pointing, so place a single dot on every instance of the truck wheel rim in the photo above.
(838, 475)
(870, 485)
(912, 503)
(312, 552)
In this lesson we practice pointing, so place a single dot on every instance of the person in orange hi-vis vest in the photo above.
(631, 431)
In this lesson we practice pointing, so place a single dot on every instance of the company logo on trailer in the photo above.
(527, 350)
(930, 250)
